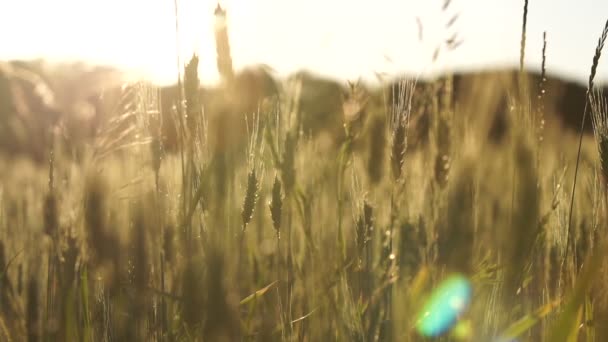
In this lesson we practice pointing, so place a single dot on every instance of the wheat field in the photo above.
(297, 210)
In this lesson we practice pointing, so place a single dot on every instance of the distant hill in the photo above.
(81, 100)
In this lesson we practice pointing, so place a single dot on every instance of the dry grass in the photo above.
(129, 242)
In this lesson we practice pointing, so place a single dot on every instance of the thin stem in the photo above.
(578, 157)
(596, 58)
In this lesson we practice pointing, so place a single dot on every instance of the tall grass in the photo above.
(346, 240)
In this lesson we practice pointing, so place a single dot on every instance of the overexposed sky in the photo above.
(345, 39)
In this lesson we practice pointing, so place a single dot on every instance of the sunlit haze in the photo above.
(344, 39)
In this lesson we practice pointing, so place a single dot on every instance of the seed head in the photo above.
(599, 116)
(276, 205)
(251, 197)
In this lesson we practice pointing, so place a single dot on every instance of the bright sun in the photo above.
(339, 38)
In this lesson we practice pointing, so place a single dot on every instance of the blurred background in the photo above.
(340, 38)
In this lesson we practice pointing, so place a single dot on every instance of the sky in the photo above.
(343, 39)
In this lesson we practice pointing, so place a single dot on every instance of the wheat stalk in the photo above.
(599, 116)
(596, 59)
(222, 45)
(540, 110)
(276, 205)
(522, 47)
(399, 118)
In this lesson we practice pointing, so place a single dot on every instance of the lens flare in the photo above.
(444, 307)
